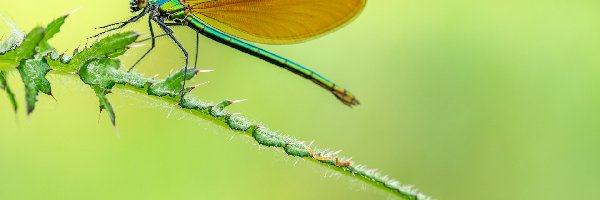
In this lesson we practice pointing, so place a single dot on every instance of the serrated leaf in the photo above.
(52, 29)
(102, 75)
(5, 87)
(33, 73)
(27, 48)
(105, 73)
(110, 47)
(171, 86)
(14, 40)
(104, 103)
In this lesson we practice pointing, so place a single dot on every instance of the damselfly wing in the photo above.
(233, 22)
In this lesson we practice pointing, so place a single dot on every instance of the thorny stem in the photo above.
(97, 67)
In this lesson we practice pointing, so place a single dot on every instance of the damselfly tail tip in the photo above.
(346, 98)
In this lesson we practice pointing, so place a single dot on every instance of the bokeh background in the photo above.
(464, 99)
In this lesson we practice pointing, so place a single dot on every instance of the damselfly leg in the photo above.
(197, 40)
(151, 47)
(169, 32)
(122, 24)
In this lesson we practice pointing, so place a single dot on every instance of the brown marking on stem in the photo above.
(338, 163)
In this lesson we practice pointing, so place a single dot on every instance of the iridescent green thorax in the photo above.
(169, 6)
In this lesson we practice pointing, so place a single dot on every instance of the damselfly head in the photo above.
(137, 5)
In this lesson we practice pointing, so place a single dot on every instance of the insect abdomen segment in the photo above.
(342, 94)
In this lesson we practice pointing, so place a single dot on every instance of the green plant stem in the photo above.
(98, 67)
(224, 119)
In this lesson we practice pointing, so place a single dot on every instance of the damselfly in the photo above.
(260, 21)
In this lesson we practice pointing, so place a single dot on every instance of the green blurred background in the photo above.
(464, 99)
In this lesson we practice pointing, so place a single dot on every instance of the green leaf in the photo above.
(102, 75)
(97, 68)
(110, 47)
(5, 87)
(13, 41)
(27, 48)
(171, 86)
(104, 103)
(52, 29)
(33, 73)
(105, 73)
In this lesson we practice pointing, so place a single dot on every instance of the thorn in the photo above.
(143, 35)
(154, 77)
(76, 72)
(198, 85)
(76, 51)
(29, 111)
(237, 101)
(72, 12)
(225, 103)
(336, 152)
(52, 95)
(134, 35)
(205, 71)
(134, 46)
(117, 134)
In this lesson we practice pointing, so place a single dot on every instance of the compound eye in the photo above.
(133, 6)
